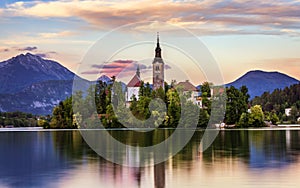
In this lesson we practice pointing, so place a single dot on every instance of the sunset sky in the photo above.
(241, 35)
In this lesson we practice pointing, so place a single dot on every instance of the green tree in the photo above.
(256, 117)
(274, 118)
(203, 118)
(244, 120)
(147, 90)
(142, 91)
(206, 102)
(100, 97)
(173, 108)
(205, 88)
(190, 114)
(63, 115)
(237, 103)
(294, 114)
(43, 123)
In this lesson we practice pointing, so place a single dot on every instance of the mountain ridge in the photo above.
(32, 84)
(21, 71)
(258, 81)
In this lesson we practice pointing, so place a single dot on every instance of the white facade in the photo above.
(195, 97)
(132, 91)
(288, 111)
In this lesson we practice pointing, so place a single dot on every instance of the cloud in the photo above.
(203, 17)
(114, 64)
(167, 67)
(91, 72)
(116, 67)
(4, 50)
(28, 48)
(43, 55)
(56, 35)
(284, 61)
(46, 54)
(40, 53)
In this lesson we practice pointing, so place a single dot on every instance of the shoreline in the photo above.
(41, 129)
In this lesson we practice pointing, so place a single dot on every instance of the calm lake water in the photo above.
(237, 158)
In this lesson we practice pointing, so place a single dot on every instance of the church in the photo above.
(158, 75)
(158, 66)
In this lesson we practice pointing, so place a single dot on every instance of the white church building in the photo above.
(133, 86)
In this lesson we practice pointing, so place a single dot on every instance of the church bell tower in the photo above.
(158, 68)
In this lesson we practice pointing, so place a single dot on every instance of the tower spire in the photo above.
(157, 38)
(158, 49)
(138, 73)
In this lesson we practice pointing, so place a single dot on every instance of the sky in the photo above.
(239, 35)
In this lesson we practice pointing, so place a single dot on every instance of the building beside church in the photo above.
(158, 68)
(191, 91)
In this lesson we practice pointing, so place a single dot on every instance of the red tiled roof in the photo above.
(186, 86)
(134, 82)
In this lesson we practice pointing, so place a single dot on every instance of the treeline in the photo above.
(276, 102)
(17, 119)
(107, 103)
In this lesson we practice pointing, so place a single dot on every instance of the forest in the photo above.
(276, 102)
(17, 119)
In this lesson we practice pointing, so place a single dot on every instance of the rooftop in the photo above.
(134, 82)
(186, 86)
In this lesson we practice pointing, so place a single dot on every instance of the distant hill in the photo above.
(39, 98)
(29, 83)
(259, 82)
(21, 71)
(105, 79)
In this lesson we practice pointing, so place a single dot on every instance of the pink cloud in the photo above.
(208, 16)
(126, 67)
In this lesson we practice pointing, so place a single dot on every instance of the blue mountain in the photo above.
(105, 79)
(21, 71)
(31, 84)
(259, 82)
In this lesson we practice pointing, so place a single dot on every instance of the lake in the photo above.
(237, 158)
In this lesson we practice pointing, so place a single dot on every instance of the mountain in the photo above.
(21, 71)
(105, 79)
(31, 84)
(259, 82)
(39, 98)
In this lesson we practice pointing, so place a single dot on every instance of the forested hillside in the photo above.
(279, 100)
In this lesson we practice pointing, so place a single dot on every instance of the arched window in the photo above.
(157, 68)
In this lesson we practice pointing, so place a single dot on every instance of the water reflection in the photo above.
(63, 159)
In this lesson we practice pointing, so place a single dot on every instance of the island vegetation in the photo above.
(238, 111)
